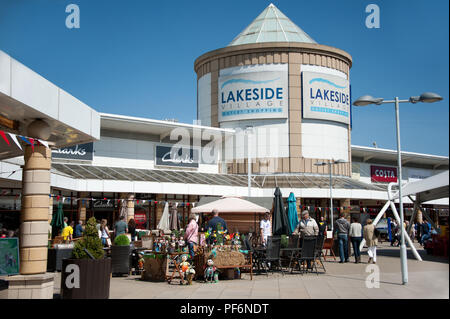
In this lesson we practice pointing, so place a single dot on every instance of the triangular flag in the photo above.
(4, 137)
(14, 138)
(43, 143)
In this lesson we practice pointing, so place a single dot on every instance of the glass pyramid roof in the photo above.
(271, 26)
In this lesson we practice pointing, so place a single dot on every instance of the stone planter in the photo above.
(120, 259)
(94, 278)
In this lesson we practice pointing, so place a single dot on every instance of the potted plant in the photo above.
(120, 255)
(87, 274)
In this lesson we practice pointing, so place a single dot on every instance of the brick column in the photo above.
(35, 210)
(82, 207)
(130, 207)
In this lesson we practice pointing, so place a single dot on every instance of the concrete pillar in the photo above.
(345, 203)
(35, 210)
(419, 216)
(130, 207)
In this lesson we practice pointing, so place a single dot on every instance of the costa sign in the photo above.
(383, 174)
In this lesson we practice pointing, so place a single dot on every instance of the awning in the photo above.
(87, 171)
(431, 188)
(230, 205)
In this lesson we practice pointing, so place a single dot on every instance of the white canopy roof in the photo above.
(230, 205)
(431, 188)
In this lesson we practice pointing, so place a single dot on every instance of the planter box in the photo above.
(55, 258)
(155, 268)
(120, 259)
(94, 279)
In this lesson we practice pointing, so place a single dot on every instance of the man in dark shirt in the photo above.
(212, 224)
(78, 232)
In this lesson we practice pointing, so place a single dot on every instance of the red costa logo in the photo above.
(383, 174)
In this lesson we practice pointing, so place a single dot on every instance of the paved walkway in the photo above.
(427, 279)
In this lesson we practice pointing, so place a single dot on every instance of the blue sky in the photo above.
(136, 57)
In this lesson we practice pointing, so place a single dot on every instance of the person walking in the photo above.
(371, 241)
(120, 227)
(342, 227)
(191, 234)
(356, 238)
(106, 240)
(132, 229)
(79, 229)
(266, 229)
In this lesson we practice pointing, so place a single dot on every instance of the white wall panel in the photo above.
(204, 99)
(32, 89)
(5, 73)
(324, 140)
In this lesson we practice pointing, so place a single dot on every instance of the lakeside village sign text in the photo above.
(253, 93)
(325, 97)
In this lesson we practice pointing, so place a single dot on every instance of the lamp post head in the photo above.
(320, 163)
(430, 97)
(366, 100)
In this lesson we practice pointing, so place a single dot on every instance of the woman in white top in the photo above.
(356, 238)
(105, 233)
(266, 229)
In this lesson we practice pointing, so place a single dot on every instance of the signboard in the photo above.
(176, 156)
(325, 97)
(418, 174)
(9, 256)
(259, 92)
(383, 174)
(78, 152)
(140, 218)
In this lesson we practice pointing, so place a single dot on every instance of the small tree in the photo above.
(90, 241)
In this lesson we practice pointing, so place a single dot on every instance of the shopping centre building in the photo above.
(273, 95)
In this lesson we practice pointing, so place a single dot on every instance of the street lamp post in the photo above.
(331, 185)
(427, 98)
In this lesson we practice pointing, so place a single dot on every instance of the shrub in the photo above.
(90, 241)
(122, 240)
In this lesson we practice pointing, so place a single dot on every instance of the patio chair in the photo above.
(307, 252)
(272, 253)
(319, 251)
(328, 246)
(294, 241)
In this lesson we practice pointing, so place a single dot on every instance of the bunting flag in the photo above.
(14, 138)
(43, 143)
(4, 137)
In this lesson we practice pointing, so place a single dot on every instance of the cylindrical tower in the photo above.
(293, 92)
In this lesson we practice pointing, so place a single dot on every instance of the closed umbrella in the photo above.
(124, 209)
(58, 220)
(164, 223)
(174, 221)
(292, 213)
(280, 221)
